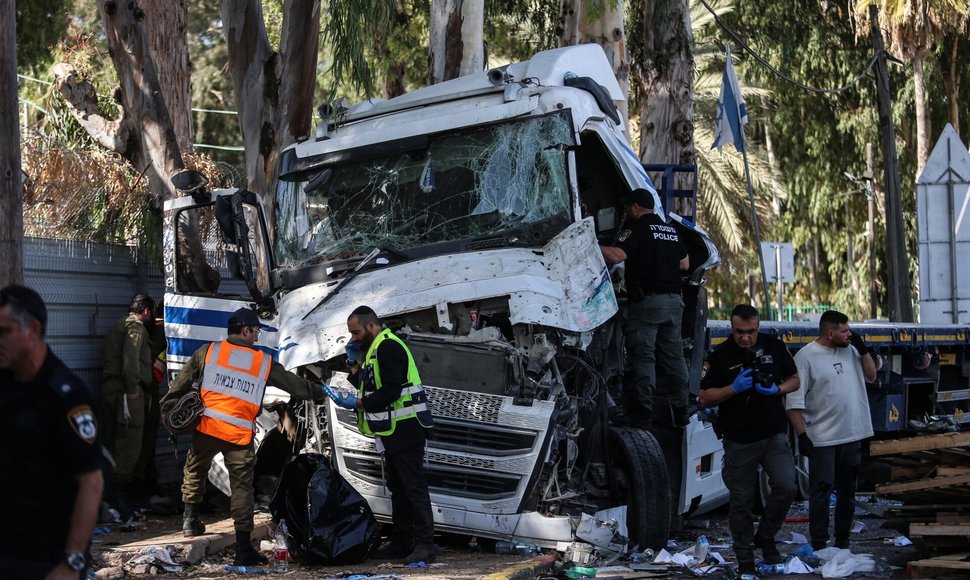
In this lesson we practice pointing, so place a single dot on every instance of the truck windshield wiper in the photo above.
(353, 274)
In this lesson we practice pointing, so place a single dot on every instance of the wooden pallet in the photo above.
(919, 443)
(941, 567)
(926, 469)
(903, 516)
(945, 537)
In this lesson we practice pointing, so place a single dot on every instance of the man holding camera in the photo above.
(831, 417)
(745, 377)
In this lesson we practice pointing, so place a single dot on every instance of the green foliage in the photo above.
(517, 29)
(40, 25)
(352, 26)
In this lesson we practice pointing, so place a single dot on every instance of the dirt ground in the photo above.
(460, 558)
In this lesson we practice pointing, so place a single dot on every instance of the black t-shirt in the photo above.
(654, 251)
(48, 436)
(393, 362)
(749, 416)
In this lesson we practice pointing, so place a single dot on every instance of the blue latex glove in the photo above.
(342, 400)
(742, 382)
(353, 351)
(770, 390)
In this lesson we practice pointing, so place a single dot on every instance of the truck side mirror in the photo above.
(191, 182)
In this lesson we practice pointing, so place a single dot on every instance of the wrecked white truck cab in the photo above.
(468, 215)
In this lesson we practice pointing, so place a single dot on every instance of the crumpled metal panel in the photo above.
(565, 286)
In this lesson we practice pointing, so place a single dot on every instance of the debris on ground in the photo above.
(153, 557)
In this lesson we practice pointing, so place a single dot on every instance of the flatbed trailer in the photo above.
(924, 368)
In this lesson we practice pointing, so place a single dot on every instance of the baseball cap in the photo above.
(245, 317)
(641, 197)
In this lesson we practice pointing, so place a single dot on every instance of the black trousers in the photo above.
(410, 500)
(832, 468)
(741, 461)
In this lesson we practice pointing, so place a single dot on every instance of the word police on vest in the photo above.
(664, 233)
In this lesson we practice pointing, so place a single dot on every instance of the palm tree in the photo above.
(914, 27)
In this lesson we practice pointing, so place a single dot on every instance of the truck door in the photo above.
(217, 259)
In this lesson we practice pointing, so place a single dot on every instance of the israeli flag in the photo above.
(731, 114)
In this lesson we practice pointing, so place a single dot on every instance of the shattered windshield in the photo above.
(457, 186)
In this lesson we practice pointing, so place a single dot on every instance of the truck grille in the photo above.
(480, 439)
(454, 481)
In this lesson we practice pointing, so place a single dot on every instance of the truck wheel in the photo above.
(637, 466)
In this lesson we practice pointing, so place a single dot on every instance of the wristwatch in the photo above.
(75, 561)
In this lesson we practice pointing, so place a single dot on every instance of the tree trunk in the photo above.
(951, 78)
(11, 189)
(274, 91)
(922, 117)
(451, 21)
(667, 86)
(167, 29)
(147, 139)
(394, 70)
(576, 27)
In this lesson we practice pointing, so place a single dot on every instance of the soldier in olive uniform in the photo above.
(126, 387)
(231, 376)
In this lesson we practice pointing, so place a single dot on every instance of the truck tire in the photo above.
(640, 472)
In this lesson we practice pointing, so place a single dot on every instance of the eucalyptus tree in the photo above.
(11, 204)
(456, 46)
(600, 22)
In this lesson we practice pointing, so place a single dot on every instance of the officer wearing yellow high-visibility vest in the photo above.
(391, 405)
(232, 377)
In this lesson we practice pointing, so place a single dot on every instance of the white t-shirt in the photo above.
(832, 395)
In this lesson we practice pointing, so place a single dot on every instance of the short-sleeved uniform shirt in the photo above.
(654, 251)
(49, 436)
(749, 416)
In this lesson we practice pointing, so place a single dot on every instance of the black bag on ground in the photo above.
(328, 521)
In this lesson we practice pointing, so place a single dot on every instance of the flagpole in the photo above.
(731, 118)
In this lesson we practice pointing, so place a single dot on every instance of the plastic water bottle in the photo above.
(281, 553)
(769, 569)
(518, 548)
(701, 548)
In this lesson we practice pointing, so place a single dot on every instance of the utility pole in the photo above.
(11, 182)
(871, 198)
(900, 299)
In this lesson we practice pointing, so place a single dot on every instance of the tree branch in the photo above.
(82, 101)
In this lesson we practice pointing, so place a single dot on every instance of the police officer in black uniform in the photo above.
(746, 376)
(655, 259)
(50, 456)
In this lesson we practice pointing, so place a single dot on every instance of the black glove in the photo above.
(805, 445)
(859, 344)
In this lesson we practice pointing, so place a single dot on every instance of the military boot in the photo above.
(191, 524)
(246, 554)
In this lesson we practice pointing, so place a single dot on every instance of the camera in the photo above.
(760, 365)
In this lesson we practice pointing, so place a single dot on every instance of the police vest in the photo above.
(413, 402)
(233, 383)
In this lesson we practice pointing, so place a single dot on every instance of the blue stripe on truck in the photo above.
(187, 346)
(200, 317)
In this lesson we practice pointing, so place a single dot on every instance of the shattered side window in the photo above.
(462, 185)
